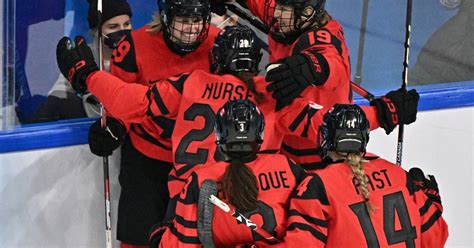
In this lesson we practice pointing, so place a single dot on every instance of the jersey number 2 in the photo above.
(392, 204)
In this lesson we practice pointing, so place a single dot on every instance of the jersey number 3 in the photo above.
(392, 204)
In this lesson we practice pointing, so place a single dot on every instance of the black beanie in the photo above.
(110, 9)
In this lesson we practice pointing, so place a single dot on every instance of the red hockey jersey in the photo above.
(192, 101)
(145, 59)
(329, 211)
(276, 178)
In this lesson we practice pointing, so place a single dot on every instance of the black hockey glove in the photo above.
(390, 105)
(428, 185)
(218, 7)
(291, 75)
(103, 141)
(75, 61)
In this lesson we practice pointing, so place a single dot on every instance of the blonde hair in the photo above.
(355, 161)
(155, 25)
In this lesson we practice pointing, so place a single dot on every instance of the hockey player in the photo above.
(63, 101)
(256, 184)
(177, 40)
(309, 48)
(193, 99)
(363, 201)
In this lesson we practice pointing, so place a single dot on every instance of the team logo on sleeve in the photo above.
(124, 55)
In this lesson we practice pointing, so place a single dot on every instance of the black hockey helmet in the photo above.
(239, 128)
(345, 128)
(235, 50)
(169, 9)
(301, 17)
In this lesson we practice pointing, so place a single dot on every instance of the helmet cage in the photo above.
(298, 16)
(239, 128)
(193, 9)
(345, 129)
(235, 50)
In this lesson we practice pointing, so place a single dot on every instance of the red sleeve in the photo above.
(131, 103)
(303, 118)
(307, 226)
(182, 232)
(434, 230)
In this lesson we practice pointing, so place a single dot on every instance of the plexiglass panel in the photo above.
(441, 46)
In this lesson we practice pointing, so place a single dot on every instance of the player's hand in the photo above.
(75, 61)
(427, 184)
(396, 107)
(290, 76)
(103, 141)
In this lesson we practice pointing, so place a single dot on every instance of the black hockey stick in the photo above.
(241, 219)
(360, 51)
(260, 26)
(404, 78)
(105, 159)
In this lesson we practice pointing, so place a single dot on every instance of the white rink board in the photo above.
(53, 197)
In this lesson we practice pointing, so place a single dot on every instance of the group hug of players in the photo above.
(287, 151)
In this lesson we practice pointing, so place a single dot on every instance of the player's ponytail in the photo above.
(247, 77)
(355, 161)
(239, 186)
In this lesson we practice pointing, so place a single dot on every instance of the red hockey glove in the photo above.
(75, 61)
(156, 233)
(293, 74)
(390, 105)
(103, 141)
(428, 185)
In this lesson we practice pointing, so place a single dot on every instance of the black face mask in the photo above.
(112, 39)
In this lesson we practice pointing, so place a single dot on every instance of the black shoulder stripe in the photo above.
(426, 207)
(314, 37)
(314, 190)
(186, 223)
(297, 171)
(184, 169)
(309, 219)
(313, 166)
(183, 238)
(317, 234)
(166, 124)
(159, 101)
(311, 113)
(178, 83)
(140, 131)
(298, 119)
(124, 55)
(431, 221)
(299, 152)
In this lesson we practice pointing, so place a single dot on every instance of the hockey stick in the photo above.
(404, 78)
(105, 159)
(205, 213)
(360, 52)
(260, 26)
(241, 219)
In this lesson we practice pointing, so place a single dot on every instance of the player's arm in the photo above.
(259, 8)
(307, 223)
(182, 230)
(425, 193)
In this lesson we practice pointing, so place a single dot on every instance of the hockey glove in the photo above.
(103, 141)
(218, 7)
(389, 108)
(75, 61)
(293, 74)
(428, 185)
(157, 232)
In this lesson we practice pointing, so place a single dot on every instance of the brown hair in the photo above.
(155, 25)
(239, 186)
(247, 77)
(355, 160)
